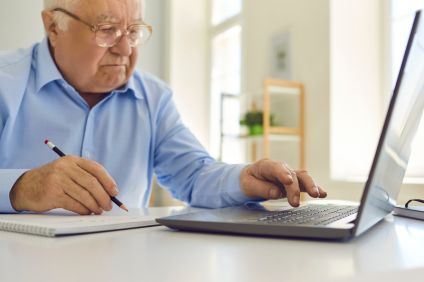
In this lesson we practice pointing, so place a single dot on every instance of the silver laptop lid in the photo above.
(394, 147)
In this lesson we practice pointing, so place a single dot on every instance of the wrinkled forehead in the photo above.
(114, 11)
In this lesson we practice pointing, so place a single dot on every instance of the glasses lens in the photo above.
(134, 35)
(138, 35)
(108, 36)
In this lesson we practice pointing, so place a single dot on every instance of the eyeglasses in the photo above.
(108, 35)
(413, 200)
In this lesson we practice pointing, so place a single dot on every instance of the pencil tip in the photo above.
(124, 208)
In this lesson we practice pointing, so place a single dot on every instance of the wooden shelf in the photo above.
(259, 138)
(284, 130)
(242, 137)
(272, 88)
(280, 90)
(284, 138)
(282, 83)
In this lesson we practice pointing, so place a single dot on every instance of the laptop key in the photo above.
(311, 215)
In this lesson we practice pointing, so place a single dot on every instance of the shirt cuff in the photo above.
(233, 191)
(8, 178)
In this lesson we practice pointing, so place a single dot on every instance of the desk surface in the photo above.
(392, 251)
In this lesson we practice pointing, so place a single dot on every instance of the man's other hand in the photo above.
(72, 183)
(274, 180)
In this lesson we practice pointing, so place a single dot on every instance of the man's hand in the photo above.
(72, 183)
(273, 180)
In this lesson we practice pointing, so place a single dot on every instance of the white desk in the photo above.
(392, 251)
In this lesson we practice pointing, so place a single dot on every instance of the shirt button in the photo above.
(87, 153)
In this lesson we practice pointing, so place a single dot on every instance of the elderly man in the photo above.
(80, 88)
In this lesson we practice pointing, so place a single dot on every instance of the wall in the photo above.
(356, 104)
(309, 25)
(187, 63)
(337, 45)
(151, 56)
(21, 24)
(360, 87)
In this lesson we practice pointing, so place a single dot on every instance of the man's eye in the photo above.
(108, 30)
(134, 31)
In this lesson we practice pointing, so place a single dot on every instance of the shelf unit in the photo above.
(296, 90)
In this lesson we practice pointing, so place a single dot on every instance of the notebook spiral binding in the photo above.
(26, 228)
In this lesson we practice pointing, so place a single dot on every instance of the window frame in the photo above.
(215, 102)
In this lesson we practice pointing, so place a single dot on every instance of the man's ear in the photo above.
(50, 27)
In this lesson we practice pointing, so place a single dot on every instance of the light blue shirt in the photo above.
(133, 132)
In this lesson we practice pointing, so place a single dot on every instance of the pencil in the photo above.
(62, 154)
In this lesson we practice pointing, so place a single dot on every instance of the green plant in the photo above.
(254, 121)
(252, 118)
(255, 118)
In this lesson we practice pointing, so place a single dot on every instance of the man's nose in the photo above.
(122, 47)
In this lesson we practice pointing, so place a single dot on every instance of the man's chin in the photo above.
(109, 86)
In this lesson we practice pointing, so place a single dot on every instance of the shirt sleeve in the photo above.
(184, 167)
(8, 178)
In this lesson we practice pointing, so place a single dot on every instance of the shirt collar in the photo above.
(48, 72)
(130, 88)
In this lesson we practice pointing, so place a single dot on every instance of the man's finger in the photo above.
(92, 185)
(101, 174)
(70, 204)
(322, 192)
(262, 189)
(271, 171)
(307, 184)
(78, 193)
(293, 191)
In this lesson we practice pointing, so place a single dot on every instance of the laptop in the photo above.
(329, 220)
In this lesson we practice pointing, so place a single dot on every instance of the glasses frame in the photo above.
(413, 200)
(96, 28)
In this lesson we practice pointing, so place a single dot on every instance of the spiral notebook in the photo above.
(60, 223)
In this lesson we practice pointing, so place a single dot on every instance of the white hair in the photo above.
(70, 5)
(61, 19)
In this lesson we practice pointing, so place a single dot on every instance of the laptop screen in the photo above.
(394, 147)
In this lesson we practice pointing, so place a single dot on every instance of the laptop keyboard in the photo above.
(310, 215)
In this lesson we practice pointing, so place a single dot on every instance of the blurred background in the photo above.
(306, 82)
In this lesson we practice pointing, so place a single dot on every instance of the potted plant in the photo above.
(254, 122)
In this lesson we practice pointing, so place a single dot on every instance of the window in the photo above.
(357, 105)
(225, 42)
(226, 61)
(359, 92)
(223, 10)
(402, 16)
